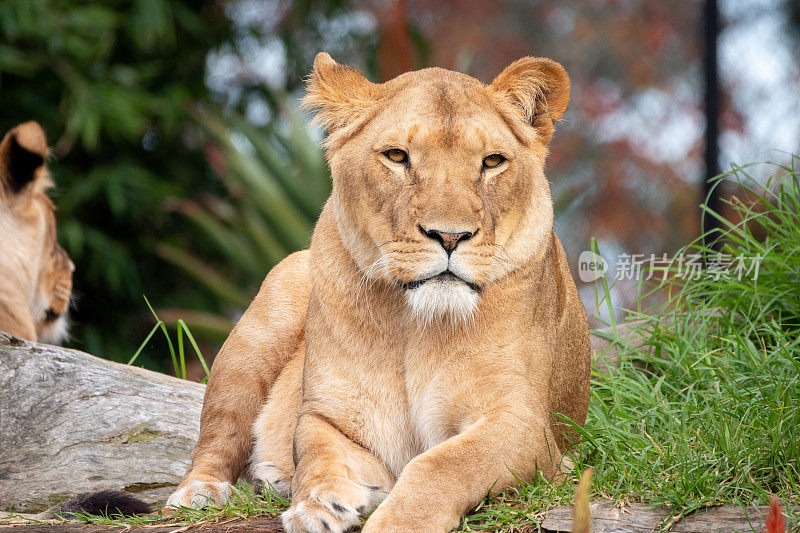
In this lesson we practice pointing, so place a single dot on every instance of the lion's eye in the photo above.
(396, 155)
(493, 160)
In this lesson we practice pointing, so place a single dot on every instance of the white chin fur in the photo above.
(442, 298)
(57, 332)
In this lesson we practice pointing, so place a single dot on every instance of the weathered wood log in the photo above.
(248, 525)
(608, 517)
(73, 423)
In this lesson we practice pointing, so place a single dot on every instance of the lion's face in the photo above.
(439, 187)
(36, 271)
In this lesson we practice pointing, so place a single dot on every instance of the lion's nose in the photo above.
(448, 240)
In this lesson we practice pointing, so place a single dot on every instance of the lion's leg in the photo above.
(336, 480)
(15, 317)
(244, 371)
(438, 486)
(272, 463)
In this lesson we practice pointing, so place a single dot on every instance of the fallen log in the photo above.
(248, 525)
(608, 517)
(73, 423)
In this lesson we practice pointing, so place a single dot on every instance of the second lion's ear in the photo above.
(23, 152)
(539, 88)
(337, 94)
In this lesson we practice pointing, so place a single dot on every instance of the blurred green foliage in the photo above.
(110, 83)
(158, 175)
(276, 181)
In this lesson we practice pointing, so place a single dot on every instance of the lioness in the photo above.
(415, 357)
(35, 272)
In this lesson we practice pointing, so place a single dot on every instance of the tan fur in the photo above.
(363, 384)
(35, 272)
(581, 513)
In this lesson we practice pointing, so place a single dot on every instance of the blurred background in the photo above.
(184, 171)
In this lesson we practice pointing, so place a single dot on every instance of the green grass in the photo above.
(715, 416)
(245, 503)
(275, 181)
(177, 350)
(705, 412)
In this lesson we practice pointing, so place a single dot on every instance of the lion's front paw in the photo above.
(197, 494)
(334, 506)
(410, 513)
(270, 475)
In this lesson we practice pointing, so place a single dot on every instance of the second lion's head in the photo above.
(438, 179)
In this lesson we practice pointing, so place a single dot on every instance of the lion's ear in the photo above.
(338, 94)
(539, 87)
(23, 152)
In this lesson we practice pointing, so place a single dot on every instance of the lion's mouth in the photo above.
(51, 315)
(442, 277)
